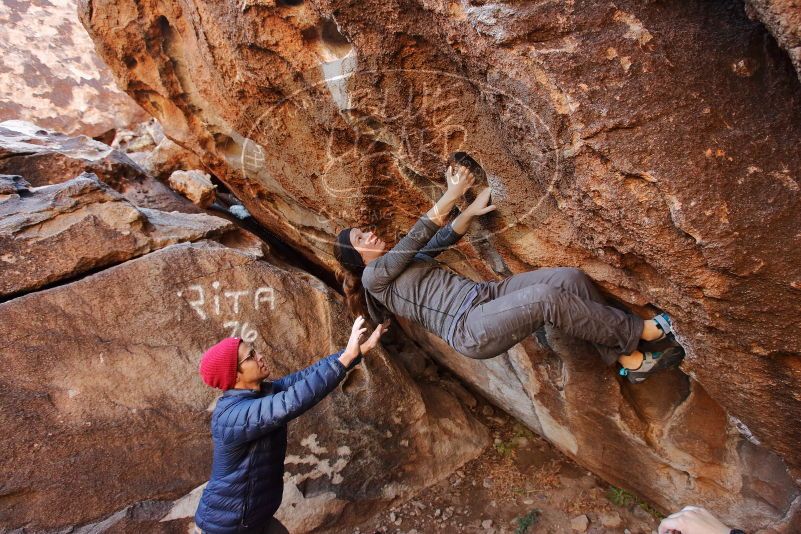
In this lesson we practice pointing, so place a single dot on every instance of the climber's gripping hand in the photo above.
(459, 181)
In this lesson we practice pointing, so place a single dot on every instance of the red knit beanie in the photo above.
(218, 364)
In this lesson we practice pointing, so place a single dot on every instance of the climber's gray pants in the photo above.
(505, 312)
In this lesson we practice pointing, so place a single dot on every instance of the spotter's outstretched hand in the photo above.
(372, 341)
(351, 351)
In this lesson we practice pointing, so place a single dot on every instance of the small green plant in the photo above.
(525, 522)
(620, 497)
(623, 498)
(505, 448)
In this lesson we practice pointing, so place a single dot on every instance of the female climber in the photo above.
(484, 319)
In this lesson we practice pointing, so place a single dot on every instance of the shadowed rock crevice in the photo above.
(334, 43)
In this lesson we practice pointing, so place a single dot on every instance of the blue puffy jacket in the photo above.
(248, 429)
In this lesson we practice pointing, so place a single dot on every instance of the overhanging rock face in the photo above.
(654, 146)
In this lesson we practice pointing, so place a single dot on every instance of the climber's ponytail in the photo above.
(354, 293)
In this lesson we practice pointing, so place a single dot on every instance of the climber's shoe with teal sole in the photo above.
(667, 340)
(664, 323)
(654, 361)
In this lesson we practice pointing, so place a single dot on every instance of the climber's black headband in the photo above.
(349, 256)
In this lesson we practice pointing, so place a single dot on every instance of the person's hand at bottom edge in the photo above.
(692, 520)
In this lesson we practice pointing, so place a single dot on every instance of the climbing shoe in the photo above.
(664, 323)
(666, 341)
(654, 361)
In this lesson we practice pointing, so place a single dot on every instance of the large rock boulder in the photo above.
(653, 145)
(45, 157)
(51, 75)
(62, 231)
(101, 399)
(146, 144)
(48, 157)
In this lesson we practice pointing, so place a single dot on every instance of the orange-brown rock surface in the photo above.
(64, 230)
(654, 145)
(48, 157)
(146, 144)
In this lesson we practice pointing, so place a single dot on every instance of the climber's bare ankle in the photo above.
(650, 331)
(631, 361)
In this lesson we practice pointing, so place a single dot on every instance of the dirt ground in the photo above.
(519, 485)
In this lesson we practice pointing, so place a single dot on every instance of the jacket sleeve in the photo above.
(285, 382)
(380, 273)
(444, 238)
(250, 420)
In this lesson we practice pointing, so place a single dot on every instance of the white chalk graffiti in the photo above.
(242, 331)
(320, 467)
(228, 303)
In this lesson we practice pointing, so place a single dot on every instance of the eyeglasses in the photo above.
(251, 354)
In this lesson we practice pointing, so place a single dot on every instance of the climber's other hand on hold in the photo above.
(478, 207)
(481, 204)
(459, 181)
